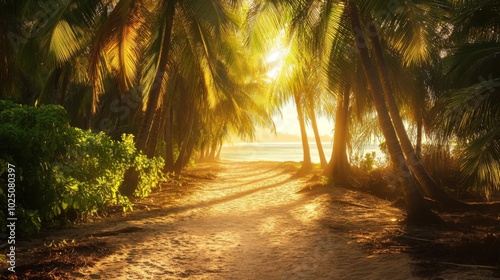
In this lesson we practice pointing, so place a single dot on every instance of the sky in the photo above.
(287, 123)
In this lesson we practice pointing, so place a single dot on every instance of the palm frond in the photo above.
(407, 26)
(473, 62)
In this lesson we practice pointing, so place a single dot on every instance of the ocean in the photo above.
(279, 151)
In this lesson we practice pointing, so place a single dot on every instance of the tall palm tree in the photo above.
(338, 165)
(299, 105)
(417, 209)
(430, 187)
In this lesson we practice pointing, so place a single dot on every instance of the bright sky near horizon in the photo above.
(288, 123)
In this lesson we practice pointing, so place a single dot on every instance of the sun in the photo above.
(276, 54)
(275, 60)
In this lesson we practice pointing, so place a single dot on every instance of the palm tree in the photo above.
(195, 23)
(299, 105)
(315, 101)
(338, 166)
(292, 82)
(347, 20)
(430, 187)
(472, 110)
(311, 97)
(417, 209)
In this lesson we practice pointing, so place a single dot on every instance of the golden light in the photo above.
(273, 73)
(276, 57)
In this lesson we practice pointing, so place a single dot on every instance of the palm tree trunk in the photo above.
(154, 135)
(418, 144)
(219, 150)
(64, 85)
(169, 143)
(156, 88)
(338, 166)
(317, 137)
(203, 153)
(211, 155)
(184, 147)
(430, 187)
(306, 163)
(417, 209)
(54, 89)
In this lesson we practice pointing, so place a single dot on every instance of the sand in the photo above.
(249, 221)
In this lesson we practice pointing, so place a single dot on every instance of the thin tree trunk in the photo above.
(156, 89)
(430, 187)
(338, 166)
(211, 155)
(418, 144)
(317, 137)
(64, 86)
(306, 163)
(154, 135)
(219, 150)
(184, 148)
(203, 151)
(169, 143)
(54, 89)
(189, 153)
(417, 209)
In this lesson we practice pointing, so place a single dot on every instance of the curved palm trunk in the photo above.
(430, 187)
(155, 92)
(417, 209)
(338, 166)
(306, 163)
(317, 137)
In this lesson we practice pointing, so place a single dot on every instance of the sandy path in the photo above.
(249, 223)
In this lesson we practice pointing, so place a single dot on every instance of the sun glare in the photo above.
(276, 55)
(275, 61)
(273, 73)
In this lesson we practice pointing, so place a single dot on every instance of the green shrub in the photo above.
(368, 163)
(61, 169)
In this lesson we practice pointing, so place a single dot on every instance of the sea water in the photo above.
(280, 151)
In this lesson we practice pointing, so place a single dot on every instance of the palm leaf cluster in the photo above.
(103, 59)
(473, 103)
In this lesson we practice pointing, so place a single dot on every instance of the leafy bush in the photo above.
(61, 169)
(368, 162)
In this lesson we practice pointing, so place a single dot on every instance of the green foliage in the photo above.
(61, 169)
(368, 162)
(150, 171)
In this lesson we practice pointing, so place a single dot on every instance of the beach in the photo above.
(239, 220)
